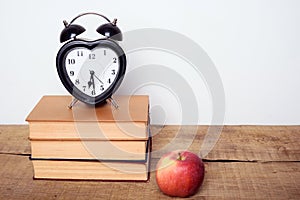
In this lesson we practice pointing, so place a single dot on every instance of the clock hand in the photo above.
(98, 79)
(91, 81)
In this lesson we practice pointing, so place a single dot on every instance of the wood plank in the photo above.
(262, 143)
(14, 139)
(243, 143)
(223, 180)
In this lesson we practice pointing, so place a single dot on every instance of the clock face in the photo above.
(91, 70)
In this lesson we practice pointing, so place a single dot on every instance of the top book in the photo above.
(55, 108)
(52, 119)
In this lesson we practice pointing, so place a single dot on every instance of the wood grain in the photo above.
(260, 162)
(223, 180)
(241, 143)
(14, 139)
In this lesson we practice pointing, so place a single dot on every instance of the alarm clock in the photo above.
(91, 70)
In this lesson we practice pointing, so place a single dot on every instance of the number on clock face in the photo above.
(92, 71)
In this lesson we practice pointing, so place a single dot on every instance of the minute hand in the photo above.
(98, 79)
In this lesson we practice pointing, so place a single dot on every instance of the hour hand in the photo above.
(91, 81)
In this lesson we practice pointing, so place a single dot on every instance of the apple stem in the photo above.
(179, 156)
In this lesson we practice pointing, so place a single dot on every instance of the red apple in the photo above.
(179, 173)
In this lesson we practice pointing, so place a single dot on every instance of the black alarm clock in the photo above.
(91, 70)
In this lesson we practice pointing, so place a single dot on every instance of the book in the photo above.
(90, 142)
(52, 119)
(92, 170)
(89, 150)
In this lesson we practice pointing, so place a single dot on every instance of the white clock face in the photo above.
(92, 71)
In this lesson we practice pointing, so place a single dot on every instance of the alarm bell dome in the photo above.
(70, 32)
(110, 30)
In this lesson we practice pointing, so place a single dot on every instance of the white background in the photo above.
(254, 45)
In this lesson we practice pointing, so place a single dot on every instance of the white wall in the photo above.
(254, 45)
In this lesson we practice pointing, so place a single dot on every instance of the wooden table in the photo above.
(247, 162)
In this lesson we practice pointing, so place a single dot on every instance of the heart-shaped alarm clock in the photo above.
(91, 70)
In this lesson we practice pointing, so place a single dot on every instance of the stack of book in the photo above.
(90, 143)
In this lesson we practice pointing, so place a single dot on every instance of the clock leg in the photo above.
(73, 102)
(113, 102)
